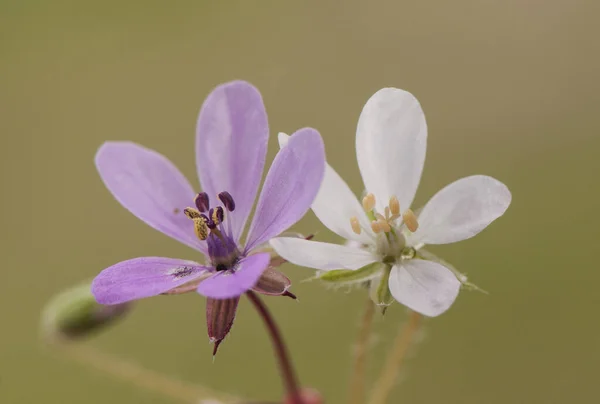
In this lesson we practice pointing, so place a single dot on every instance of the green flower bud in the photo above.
(75, 314)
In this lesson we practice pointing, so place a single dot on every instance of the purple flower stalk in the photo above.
(231, 145)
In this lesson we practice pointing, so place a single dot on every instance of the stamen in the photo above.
(227, 200)
(387, 212)
(376, 226)
(410, 219)
(394, 205)
(192, 213)
(217, 215)
(368, 202)
(355, 225)
(201, 228)
(380, 217)
(385, 226)
(202, 201)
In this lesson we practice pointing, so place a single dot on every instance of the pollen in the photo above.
(410, 219)
(368, 202)
(217, 215)
(192, 213)
(355, 225)
(201, 228)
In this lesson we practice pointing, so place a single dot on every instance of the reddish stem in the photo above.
(285, 364)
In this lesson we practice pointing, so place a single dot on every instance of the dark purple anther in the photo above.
(227, 200)
(201, 201)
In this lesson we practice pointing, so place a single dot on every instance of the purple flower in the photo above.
(231, 144)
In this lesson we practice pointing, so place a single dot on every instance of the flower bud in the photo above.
(220, 314)
(75, 314)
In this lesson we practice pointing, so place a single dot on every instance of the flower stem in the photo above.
(285, 364)
(357, 380)
(141, 377)
(389, 374)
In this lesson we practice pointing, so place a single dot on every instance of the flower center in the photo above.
(390, 242)
(208, 226)
(388, 221)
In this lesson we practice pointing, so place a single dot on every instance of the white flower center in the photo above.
(389, 228)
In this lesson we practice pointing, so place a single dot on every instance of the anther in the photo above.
(192, 213)
(394, 206)
(410, 219)
(227, 200)
(376, 226)
(217, 215)
(355, 225)
(368, 202)
(385, 226)
(202, 201)
(201, 228)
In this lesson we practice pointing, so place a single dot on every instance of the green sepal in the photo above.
(342, 276)
(380, 289)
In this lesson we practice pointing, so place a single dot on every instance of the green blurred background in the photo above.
(510, 89)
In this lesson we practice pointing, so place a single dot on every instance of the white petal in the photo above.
(324, 256)
(390, 146)
(335, 204)
(424, 286)
(461, 210)
(283, 139)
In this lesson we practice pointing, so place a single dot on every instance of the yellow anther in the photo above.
(368, 202)
(192, 213)
(410, 219)
(384, 225)
(394, 206)
(376, 227)
(201, 228)
(355, 225)
(217, 215)
(387, 212)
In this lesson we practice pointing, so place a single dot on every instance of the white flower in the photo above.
(385, 237)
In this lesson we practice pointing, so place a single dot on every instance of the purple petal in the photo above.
(231, 145)
(290, 187)
(143, 277)
(148, 185)
(228, 284)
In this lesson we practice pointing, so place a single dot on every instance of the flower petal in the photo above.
(227, 284)
(390, 146)
(290, 187)
(231, 145)
(335, 204)
(148, 185)
(324, 256)
(461, 210)
(143, 277)
(424, 286)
